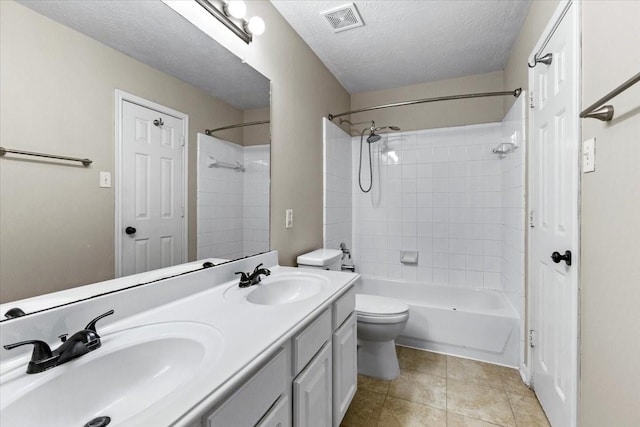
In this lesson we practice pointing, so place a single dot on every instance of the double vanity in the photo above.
(194, 350)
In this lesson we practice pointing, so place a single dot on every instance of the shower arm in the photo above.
(516, 93)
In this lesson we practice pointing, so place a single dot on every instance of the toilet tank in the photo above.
(321, 259)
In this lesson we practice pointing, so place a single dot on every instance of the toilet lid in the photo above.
(379, 306)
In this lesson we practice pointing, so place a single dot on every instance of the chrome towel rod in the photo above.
(85, 162)
(515, 93)
(213, 163)
(605, 113)
(239, 125)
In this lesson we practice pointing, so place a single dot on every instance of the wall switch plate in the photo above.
(288, 218)
(105, 179)
(589, 156)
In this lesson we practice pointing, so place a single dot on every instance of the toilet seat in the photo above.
(377, 309)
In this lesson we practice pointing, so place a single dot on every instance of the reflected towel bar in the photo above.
(605, 112)
(85, 162)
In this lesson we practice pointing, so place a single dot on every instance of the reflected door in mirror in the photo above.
(152, 190)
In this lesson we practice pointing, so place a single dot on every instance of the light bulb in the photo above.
(236, 8)
(256, 25)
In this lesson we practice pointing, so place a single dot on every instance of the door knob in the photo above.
(556, 257)
(130, 230)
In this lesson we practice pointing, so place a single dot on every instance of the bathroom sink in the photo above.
(287, 288)
(133, 370)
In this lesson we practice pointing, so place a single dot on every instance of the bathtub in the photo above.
(474, 323)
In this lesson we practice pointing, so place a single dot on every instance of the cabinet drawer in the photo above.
(343, 307)
(250, 403)
(279, 415)
(307, 343)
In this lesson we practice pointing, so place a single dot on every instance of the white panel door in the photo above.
(312, 400)
(152, 207)
(554, 190)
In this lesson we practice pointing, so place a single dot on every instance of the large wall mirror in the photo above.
(63, 64)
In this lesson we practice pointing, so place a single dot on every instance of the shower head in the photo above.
(373, 137)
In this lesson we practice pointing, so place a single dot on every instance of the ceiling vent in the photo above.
(343, 18)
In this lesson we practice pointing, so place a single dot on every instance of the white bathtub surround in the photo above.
(474, 323)
(337, 186)
(437, 192)
(513, 213)
(233, 207)
(201, 298)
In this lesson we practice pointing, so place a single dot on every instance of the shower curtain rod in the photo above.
(515, 93)
(239, 125)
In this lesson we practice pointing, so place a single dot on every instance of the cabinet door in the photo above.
(345, 369)
(312, 402)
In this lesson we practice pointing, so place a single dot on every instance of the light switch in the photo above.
(589, 155)
(105, 179)
(288, 218)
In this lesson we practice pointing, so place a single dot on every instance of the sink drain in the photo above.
(98, 422)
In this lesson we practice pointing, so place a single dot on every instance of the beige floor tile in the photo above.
(373, 384)
(421, 388)
(364, 410)
(475, 372)
(457, 420)
(513, 383)
(527, 411)
(422, 361)
(402, 413)
(480, 402)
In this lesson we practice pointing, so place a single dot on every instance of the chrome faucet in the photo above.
(250, 279)
(79, 344)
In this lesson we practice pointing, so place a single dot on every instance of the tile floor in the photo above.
(438, 390)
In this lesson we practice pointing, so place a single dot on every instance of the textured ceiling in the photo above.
(151, 32)
(405, 42)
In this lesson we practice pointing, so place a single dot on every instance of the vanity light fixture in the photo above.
(231, 14)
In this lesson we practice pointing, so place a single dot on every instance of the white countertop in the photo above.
(251, 333)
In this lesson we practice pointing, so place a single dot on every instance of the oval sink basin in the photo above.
(287, 288)
(133, 370)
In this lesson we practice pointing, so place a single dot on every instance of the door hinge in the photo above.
(182, 140)
(531, 104)
(531, 338)
(531, 224)
(182, 211)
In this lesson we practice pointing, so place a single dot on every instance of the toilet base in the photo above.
(378, 359)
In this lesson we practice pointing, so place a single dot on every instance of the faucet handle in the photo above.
(245, 281)
(91, 326)
(41, 349)
(255, 270)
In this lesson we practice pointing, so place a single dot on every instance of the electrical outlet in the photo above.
(589, 155)
(288, 218)
(105, 179)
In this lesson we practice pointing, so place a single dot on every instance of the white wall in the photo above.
(337, 186)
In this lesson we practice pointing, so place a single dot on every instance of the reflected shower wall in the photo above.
(233, 204)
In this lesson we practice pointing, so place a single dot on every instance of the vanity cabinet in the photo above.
(309, 382)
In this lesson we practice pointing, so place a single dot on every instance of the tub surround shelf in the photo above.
(252, 334)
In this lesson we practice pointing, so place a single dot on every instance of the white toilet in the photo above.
(380, 321)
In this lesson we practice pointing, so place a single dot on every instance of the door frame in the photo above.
(121, 97)
(576, 257)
